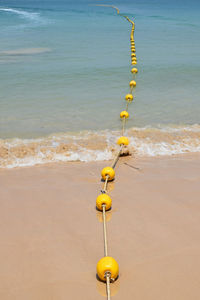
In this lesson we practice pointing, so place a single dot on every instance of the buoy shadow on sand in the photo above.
(101, 287)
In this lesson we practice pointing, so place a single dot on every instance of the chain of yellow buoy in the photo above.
(107, 267)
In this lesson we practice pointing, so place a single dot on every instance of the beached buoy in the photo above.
(124, 114)
(134, 70)
(107, 264)
(103, 199)
(108, 171)
(132, 83)
(123, 140)
(129, 97)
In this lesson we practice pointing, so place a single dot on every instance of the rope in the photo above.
(105, 185)
(117, 156)
(108, 284)
(104, 190)
(127, 106)
(123, 125)
(105, 232)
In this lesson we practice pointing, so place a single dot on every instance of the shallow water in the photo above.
(65, 67)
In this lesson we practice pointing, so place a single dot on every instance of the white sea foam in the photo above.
(22, 13)
(94, 146)
(24, 51)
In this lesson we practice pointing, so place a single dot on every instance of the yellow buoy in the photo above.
(107, 264)
(134, 62)
(129, 97)
(108, 171)
(132, 83)
(133, 55)
(103, 199)
(134, 70)
(123, 140)
(124, 114)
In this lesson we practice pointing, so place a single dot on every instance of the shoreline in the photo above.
(90, 146)
(51, 234)
(124, 159)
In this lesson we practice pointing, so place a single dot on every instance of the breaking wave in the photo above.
(98, 145)
(22, 13)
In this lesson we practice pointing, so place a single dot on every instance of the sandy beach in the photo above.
(52, 239)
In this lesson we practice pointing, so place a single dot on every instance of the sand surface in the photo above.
(52, 238)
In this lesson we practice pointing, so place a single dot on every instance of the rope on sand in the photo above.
(107, 267)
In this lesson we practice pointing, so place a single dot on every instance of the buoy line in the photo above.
(107, 266)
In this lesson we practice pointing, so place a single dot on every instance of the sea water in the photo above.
(65, 70)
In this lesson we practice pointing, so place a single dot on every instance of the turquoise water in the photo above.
(65, 67)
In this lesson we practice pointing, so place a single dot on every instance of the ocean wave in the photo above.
(22, 13)
(98, 145)
(24, 51)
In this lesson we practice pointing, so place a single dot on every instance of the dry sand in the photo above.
(51, 234)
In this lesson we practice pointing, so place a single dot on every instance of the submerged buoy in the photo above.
(107, 264)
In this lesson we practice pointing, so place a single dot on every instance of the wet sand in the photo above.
(51, 234)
